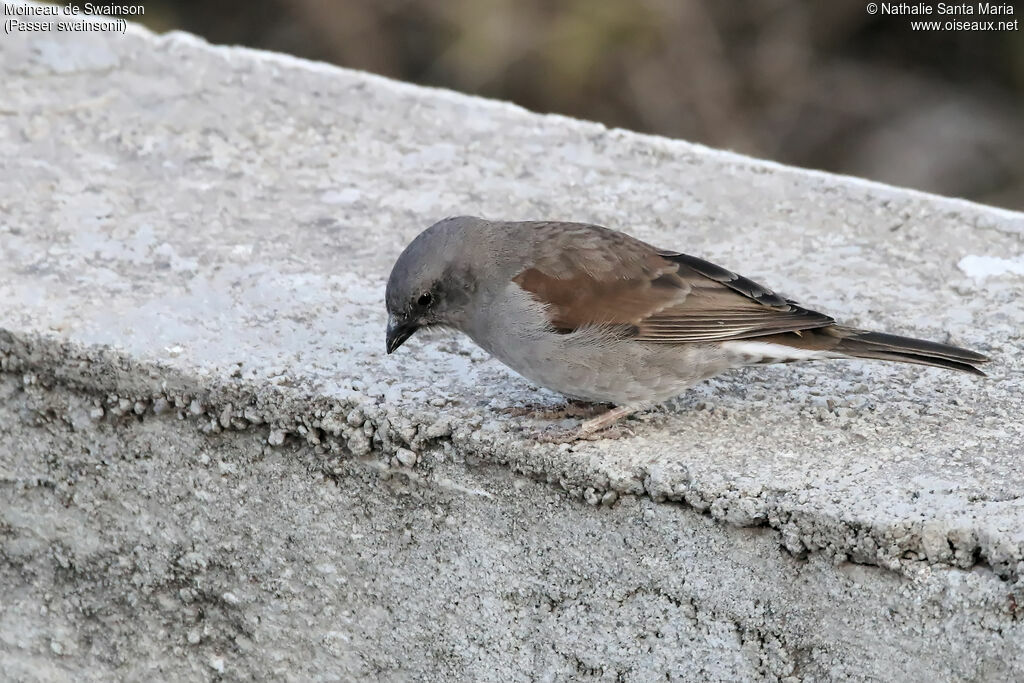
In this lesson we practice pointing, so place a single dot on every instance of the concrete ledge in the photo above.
(208, 466)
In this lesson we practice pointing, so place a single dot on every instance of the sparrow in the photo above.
(602, 317)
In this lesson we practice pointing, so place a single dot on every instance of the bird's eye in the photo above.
(424, 299)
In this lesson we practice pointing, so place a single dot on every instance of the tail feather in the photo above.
(862, 344)
(847, 341)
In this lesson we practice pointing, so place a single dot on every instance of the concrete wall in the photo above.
(209, 469)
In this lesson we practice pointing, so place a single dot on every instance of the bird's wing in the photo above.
(586, 276)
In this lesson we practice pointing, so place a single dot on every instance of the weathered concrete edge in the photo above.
(356, 426)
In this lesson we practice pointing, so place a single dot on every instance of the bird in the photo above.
(604, 318)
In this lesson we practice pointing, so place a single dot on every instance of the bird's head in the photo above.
(432, 281)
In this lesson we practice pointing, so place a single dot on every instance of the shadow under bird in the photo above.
(602, 317)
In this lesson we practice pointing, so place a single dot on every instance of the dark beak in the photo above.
(398, 331)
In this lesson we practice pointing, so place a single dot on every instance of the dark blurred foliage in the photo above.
(817, 84)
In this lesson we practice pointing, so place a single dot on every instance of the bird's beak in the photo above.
(398, 331)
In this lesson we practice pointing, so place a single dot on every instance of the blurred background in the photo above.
(821, 84)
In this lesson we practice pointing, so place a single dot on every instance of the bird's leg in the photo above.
(571, 408)
(603, 421)
(599, 427)
(576, 408)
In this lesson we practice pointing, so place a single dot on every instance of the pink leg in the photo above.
(589, 429)
(602, 421)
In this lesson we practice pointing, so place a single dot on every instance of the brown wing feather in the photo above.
(723, 305)
(615, 280)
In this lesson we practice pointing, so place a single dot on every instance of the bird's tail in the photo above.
(864, 344)
(836, 341)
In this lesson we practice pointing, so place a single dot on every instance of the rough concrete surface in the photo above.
(210, 469)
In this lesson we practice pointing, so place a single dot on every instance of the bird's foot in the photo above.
(571, 408)
(601, 427)
(574, 434)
